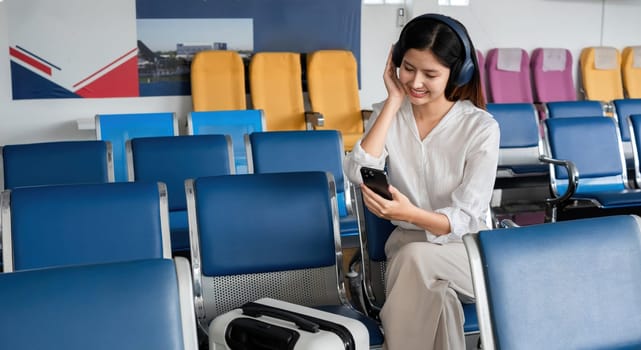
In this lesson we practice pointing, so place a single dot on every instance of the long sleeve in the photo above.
(470, 200)
(358, 158)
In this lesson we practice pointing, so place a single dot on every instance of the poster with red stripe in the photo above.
(72, 48)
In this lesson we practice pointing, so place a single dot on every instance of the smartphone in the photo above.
(376, 180)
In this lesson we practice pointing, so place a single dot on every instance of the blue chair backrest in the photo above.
(376, 231)
(57, 163)
(569, 109)
(174, 159)
(519, 123)
(519, 144)
(49, 226)
(594, 146)
(257, 223)
(118, 128)
(287, 151)
(567, 285)
(133, 305)
(624, 108)
(236, 123)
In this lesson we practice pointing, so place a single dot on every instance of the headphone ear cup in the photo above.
(397, 57)
(466, 73)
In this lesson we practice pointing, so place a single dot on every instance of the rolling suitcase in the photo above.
(270, 324)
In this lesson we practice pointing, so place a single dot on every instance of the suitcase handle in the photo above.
(257, 310)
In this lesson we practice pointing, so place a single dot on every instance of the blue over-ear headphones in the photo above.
(467, 68)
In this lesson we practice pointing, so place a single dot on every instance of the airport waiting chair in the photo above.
(48, 226)
(332, 82)
(118, 128)
(519, 147)
(267, 235)
(623, 109)
(57, 163)
(601, 73)
(320, 150)
(508, 76)
(552, 78)
(522, 180)
(589, 108)
(174, 159)
(144, 304)
(631, 70)
(236, 124)
(218, 81)
(276, 88)
(565, 285)
(587, 169)
(367, 270)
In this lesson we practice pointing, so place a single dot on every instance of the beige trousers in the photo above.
(425, 285)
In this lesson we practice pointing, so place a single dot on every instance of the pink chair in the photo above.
(508, 76)
(552, 75)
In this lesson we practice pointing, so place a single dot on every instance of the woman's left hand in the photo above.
(397, 208)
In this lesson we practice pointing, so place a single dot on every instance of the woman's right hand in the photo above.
(392, 83)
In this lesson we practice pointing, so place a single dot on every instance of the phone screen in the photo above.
(376, 180)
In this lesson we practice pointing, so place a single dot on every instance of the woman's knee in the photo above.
(413, 256)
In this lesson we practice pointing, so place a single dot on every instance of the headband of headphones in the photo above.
(467, 68)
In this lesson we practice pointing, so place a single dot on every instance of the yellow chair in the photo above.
(218, 81)
(333, 92)
(631, 67)
(277, 89)
(601, 73)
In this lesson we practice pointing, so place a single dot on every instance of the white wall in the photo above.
(492, 23)
(528, 24)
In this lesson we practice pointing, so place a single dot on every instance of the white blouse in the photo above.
(451, 171)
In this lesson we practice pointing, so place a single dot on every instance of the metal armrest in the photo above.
(573, 177)
(350, 197)
(314, 119)
(507, 223)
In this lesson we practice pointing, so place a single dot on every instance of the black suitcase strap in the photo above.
(256, 310)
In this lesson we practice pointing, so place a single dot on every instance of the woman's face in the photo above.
(423, 77)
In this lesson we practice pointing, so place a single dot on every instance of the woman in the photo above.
(440, 148)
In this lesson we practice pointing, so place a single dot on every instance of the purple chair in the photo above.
(508, 76)
(552, 75)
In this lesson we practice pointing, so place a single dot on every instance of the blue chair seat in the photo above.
(529, 169)
(375, 334)
(616, 199)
